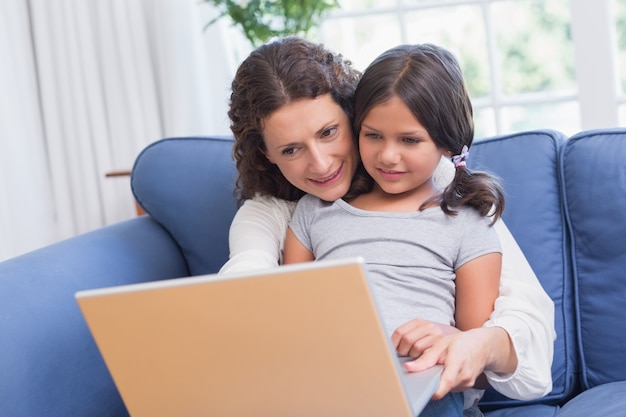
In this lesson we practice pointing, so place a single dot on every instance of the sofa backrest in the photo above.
(593, 168)
(528, 164)
(186, 184)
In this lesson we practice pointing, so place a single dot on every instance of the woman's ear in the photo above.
(266, 154)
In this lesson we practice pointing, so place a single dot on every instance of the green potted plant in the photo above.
(261, 20)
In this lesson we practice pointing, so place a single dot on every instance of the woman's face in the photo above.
(310, 140)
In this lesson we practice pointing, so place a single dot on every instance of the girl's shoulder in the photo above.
(311, 202)
(470, 215)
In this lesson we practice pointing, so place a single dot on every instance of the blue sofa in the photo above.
(566, 208)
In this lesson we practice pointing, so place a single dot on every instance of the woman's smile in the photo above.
(328, 180)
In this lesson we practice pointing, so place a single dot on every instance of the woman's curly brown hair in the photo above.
(273, 75)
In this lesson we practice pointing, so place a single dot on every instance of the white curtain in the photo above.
(85, 85)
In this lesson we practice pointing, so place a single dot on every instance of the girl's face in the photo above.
(310, 140)
(398, 152)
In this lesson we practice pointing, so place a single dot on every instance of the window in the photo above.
(523, 66)
(619, 8)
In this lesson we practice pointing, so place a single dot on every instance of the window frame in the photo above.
(598, 94)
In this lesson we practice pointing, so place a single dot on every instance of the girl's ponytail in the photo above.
(480, 190)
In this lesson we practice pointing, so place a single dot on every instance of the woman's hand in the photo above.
(465, 355)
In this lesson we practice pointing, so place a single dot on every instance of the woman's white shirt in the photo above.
(257, 234)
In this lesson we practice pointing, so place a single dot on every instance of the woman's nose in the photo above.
(320, 161)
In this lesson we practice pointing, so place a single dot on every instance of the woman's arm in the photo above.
(526, 312)
(257, 233)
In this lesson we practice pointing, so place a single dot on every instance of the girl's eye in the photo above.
(411, 140)
(372, 135)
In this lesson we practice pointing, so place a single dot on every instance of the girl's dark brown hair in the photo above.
(273, 75)
(428, 79)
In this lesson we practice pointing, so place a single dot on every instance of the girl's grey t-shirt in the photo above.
(411, 257)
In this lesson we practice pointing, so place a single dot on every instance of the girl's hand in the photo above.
(417, 336)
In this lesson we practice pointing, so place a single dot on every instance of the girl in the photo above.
(431, 253)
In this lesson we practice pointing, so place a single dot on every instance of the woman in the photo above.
(290, 112)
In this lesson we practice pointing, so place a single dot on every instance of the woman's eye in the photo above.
(411, 140)
(288, 151)
(329, 132)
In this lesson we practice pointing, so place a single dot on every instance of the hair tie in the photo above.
(459, 160)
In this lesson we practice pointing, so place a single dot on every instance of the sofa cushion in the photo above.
(527, 163)
(535, 410)
(594, 181)
(49, 362)
(602, 400)
(186, 184)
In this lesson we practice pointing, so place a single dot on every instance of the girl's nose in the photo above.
(388, 154)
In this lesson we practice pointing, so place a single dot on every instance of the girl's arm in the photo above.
(257, 233)
(295, 251)
(477, 286)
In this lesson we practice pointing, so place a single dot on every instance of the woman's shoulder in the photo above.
(266, 207)
(444, 174)
(270, 202)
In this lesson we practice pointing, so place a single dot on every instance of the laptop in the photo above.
(296, 341)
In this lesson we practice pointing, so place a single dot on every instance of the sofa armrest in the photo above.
(49, 361)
